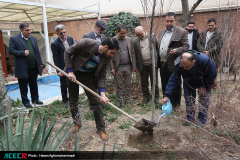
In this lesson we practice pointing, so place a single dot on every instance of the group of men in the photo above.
(88, 59)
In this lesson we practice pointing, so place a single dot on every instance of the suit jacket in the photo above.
(181, 35)
(17, 48)
(195, 39)
(114, 63)
(81, 53)
(91, 35)
(214, 45)
(58, 51)
(138, 51)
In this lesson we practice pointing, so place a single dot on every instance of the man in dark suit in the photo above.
(58, 47)
(97, 34)
(193, 35)
(122, 65)
(178, 37)
(27, 63)
(144, 62)
(87, 62)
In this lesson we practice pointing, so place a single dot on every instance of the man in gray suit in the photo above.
(87, 62)
(122, 65)
(173, 41)
(144, 62)
(97, 34)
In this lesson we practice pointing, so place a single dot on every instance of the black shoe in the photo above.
(37, 102)
(156, 101)
(28, 105)
(145, 101)
(119, 104)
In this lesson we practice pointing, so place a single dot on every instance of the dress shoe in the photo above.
(76, 128)
(28, 105)
(103, 134)
(37, 102)
(145, 101)
(119, 104)
(156, 101)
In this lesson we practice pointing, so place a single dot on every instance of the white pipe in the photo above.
(49, 68)
(99, 14)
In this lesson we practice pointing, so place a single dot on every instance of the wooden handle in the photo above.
(94, 93)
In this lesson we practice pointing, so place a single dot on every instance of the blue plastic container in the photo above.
(167, 108)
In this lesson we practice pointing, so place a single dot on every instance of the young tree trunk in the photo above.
(186, 14)
(4, 106)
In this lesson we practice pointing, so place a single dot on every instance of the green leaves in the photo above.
(26, 139)
(128, 19)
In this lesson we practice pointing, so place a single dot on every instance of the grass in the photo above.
(126, 125)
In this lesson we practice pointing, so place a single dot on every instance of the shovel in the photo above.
(143, 124)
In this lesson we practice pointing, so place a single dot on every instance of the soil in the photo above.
(170, 140)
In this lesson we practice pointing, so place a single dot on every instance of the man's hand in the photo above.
(59, 74)
(104, 100)
(113, 71)
(206, 52)
(71, 77)
(134, 70)
(165, 100)
(173, 51)
(201, 91)
(26, 52)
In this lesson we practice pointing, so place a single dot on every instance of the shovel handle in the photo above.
(91, 91)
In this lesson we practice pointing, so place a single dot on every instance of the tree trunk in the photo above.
(186, 14)
(4, 106)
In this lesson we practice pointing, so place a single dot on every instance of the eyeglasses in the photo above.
(61, 33)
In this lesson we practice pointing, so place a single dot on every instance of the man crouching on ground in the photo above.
(87, 61)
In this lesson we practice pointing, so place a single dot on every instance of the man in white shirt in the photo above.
(193, 35)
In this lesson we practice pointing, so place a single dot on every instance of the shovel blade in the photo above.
(145, 125)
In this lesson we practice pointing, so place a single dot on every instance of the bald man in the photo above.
(144, 62)
(198, 72)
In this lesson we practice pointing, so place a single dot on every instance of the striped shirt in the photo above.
(92, 64)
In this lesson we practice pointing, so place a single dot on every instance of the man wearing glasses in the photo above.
(198, 72)
(97, 34)
(28, 63)
(58, 47)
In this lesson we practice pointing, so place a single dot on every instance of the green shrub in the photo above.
(128, 19)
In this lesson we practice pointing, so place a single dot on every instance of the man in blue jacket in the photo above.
(58, 47)
(27, 63)
(198, 72)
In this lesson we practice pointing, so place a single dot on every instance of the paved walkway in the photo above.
(48, 93)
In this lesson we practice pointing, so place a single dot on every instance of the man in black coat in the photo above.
(97, 34)
(193, 35)
(27, 63)
(58, 47)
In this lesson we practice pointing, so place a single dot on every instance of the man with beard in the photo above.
(97, 34)
(173, 41)
(193, 35)
(86, 61)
